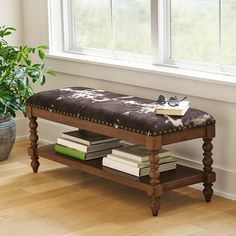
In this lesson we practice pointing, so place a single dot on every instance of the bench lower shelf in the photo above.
(172, 179)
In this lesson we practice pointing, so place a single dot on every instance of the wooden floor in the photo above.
(62, 201)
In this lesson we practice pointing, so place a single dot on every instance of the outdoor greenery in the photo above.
(127, 30)
(194, 28)
(17, 73)
(195, 31)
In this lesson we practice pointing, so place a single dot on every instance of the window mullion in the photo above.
(155, 42)
(112, 28)
(68, 24)
(220, 34)
(167, 32)
(160, 28)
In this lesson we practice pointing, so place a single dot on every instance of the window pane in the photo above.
(195, 30)
(229, 32)
(132, 26)
(92, 24)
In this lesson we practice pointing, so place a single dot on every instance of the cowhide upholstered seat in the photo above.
(117, 110)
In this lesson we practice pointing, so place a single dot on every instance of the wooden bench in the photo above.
(131, 119)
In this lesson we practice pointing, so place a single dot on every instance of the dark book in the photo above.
(86, 137)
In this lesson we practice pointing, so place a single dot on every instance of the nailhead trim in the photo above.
(121, 127)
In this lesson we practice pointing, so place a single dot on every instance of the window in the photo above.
(229, 32)
(194, 34)
(118, 28)
(203, 32)
(195, 30)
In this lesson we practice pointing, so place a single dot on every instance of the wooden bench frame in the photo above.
(154, 184)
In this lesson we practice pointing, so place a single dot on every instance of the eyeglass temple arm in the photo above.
(182, 99)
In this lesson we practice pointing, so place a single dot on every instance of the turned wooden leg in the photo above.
(208, 173)
(155, 188)
(34, 143)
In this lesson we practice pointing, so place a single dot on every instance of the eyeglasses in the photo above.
(173, 101)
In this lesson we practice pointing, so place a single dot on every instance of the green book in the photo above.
(70, 151)
(79, 154)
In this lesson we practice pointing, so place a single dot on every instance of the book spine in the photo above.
(168, 159)
(85, 148)
(162, 168)
(135, 170)
(70, 152)
(87, 142)
(75, 139)
(136, 158)
(120, 166)
(137, 164)
(128, 161)
(164, 154)
(72, 144)
(102, 146)
(130, 156)
(167, 166)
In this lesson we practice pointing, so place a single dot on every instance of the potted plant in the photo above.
(17, 74)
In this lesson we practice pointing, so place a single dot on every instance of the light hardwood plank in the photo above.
(61, 201)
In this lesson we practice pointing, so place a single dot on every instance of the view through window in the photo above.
(204, 31)
(116, 26)
(198, 32)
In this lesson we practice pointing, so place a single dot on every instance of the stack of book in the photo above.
(85, 145)
(179, 110)
(134, 160)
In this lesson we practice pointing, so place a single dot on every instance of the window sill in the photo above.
(187, 82)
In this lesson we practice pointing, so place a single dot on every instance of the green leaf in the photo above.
(36, 65)
(42, 80)
(11, 28)
(51, 72)
(41, 54)
(28, 61)
(42, 47)
(17, 73)
(18, 57)
(7, 33)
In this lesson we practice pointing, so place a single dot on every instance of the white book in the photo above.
(128, 161)
(132, 170)
(166, 109)
(86, 148)
(137, 153)
(137, 163)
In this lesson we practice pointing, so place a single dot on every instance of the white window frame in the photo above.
(69, 44)
(218, 68)
(160, 41)
(165, 78)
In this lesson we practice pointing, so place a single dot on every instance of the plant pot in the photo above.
(7, 137)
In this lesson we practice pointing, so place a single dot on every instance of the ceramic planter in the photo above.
(7, 137)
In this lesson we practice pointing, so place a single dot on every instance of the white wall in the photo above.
(12, 16)
(224, 112)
